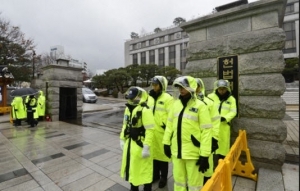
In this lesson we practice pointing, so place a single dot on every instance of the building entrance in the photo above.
(67, 103)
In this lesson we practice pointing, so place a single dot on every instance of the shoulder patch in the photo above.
(195, 110)
(161, 102)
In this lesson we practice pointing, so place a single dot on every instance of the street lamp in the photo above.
(33, 54)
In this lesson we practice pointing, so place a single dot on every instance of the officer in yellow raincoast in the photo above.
(136, 140)
(187, 138)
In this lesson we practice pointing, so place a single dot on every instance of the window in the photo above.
(151, 42)
(151, 57)
(161, 57)
(289, 8)
(134, 46)
(172, 56)
(162, 39)
(171, 37)
(144, 44)
(134, 59)
(290, 41)
(143, 58)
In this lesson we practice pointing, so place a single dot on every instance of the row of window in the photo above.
(289, 8)
(158, 40)
(161, 56)
(290, 41)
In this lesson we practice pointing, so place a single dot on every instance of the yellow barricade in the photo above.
(221, 179)
(5, 109)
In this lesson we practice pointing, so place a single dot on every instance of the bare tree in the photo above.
(14, 47)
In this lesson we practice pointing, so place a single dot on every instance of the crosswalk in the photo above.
(293, 115)
(291, 98)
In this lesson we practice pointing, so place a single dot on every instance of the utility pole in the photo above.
(33, 68)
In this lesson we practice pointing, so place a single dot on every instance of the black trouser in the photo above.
(160, 170)
(30, 119)
(147, 187)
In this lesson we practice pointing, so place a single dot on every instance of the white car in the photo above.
(88, 96)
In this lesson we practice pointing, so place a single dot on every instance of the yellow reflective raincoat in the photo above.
(18, 108)
(161, 108)
(189, 133)
(41, 104)
(136, 169)
(227, 109)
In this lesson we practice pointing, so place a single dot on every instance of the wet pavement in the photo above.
(69, 156)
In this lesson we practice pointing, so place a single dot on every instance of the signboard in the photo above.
(228, 70)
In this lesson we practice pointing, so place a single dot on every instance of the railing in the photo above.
(221, 179)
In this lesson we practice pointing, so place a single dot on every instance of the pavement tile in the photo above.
(51, 187)
(74, 177)
(83, 183)
(15, 181)
(40, 177)
(101, 170)
(84, 162)
(101, 186)
(103, 157)
(65, 171)
(59, 166)
(290, 174)
(25, 186)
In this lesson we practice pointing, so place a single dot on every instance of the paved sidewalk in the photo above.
(64, 156)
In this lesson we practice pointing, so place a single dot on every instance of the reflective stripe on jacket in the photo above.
(185, 123)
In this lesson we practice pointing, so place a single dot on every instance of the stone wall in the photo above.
(254, 33)
(59, 76)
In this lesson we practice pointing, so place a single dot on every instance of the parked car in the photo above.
(88, 96)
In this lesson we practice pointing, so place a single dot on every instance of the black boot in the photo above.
(148, 187)
(162, 183)
(133, 188)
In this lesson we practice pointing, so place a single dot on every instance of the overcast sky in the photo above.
(94, 31)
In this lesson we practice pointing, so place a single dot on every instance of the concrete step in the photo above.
(269, 180)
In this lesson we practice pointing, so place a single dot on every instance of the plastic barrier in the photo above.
(5, 109)
(221, 179)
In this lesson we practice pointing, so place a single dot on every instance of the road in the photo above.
(109, 120)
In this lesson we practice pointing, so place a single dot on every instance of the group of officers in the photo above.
(30, 108)
(189, 129)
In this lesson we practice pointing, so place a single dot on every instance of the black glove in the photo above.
(167, 150)
(163, 126)
(214, 145)
(203, 164)
(223, 119)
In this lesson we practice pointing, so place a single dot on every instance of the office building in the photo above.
(164, 48)
(168, 46)
(291, 27)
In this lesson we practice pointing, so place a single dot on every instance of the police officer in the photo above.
(41, 106)
(227, 109)
(136, 140)
(187, 138)
(32, 114)
(161, 106)
(215, 119)
(18, 110)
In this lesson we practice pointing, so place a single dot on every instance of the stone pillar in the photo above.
(252, 32)
(57, 76)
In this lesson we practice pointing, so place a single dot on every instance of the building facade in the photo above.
(164, 48)
(291, 28)
(168, 47)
